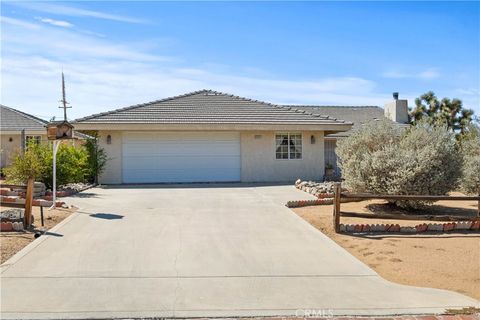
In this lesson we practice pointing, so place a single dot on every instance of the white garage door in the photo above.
(180, 157)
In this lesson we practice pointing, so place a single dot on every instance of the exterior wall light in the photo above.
(10, 139)
(312, 139)
(109, 139)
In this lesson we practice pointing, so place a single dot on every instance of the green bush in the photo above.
(72, 164)
(470, 143)
(32, 163)
(382, 158)
(97, 159)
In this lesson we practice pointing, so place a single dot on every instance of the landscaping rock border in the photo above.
(304, 203)
(318, 189)
(424, 227)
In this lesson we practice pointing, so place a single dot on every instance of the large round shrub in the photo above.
(383, 158)
(470, 182)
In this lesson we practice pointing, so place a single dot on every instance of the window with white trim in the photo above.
(32, 140)
(288, 146)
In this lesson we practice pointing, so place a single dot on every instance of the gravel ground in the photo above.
(444, 261)
(12, 242)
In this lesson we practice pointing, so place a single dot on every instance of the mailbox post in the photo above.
(57, 131)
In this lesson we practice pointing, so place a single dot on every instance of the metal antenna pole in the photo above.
(64, 99)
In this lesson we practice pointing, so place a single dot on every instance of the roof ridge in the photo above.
(292, 108)
(142, 104)
(31, 117)
(329, 106)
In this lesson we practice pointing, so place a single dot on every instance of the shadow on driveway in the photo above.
(106, 216)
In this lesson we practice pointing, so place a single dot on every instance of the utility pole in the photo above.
(64, 100)
(56, 144)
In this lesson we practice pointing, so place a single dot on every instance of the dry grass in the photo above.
(444, 261)
(12, 242)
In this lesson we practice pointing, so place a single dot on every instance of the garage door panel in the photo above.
(180, 163)
(180, 157)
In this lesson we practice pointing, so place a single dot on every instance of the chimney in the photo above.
(397, 110)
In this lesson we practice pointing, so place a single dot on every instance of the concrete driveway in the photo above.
(197, 251)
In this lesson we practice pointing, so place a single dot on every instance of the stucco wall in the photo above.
(259, 163)
(113, 170)
(8, 148)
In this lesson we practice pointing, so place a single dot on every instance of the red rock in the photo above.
(448, 226)
(6, 226)
(421, 227)
(475, 225)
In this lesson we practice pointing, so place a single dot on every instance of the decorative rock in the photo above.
(6, 226)
(357, 228)
(448, 226)
(366, 228)
(421, 227)
(350, 227)
(463, 225)
(16, 226)
(475, 225)
(342, 228)
(393, 228)
(408, 229)
(435, 227)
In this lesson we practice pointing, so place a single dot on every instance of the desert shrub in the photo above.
(72, 164)
(97, 159)
(470, 145)
(382, 158)
(26, 165)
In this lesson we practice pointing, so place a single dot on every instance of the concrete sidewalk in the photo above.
(197, 251)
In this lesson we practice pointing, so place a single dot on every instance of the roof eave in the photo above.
(331, 127)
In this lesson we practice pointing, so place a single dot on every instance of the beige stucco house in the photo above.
(13, 122)
(209, 136)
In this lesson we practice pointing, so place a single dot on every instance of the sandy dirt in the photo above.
(445, 261)
(12, 242)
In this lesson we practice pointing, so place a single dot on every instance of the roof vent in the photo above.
(211, 93)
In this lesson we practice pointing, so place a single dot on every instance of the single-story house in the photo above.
(12, 123)
(396, 111)
(209, 136)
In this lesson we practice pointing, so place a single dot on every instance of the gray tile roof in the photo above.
(358, 115)
(210, 107)
(16, 120)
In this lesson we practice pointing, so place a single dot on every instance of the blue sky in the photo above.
(116, 54)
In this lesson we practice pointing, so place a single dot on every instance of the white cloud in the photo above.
(57, 23)
(18, 23)
(431, 73)
(102, 75)
(64, 10)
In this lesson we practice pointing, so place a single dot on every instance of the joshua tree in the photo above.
(449, 112)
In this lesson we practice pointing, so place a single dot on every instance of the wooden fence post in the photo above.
(28, 203)
(336, 206)
(478, 213)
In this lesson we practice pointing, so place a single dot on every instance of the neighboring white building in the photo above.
(208, 136)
